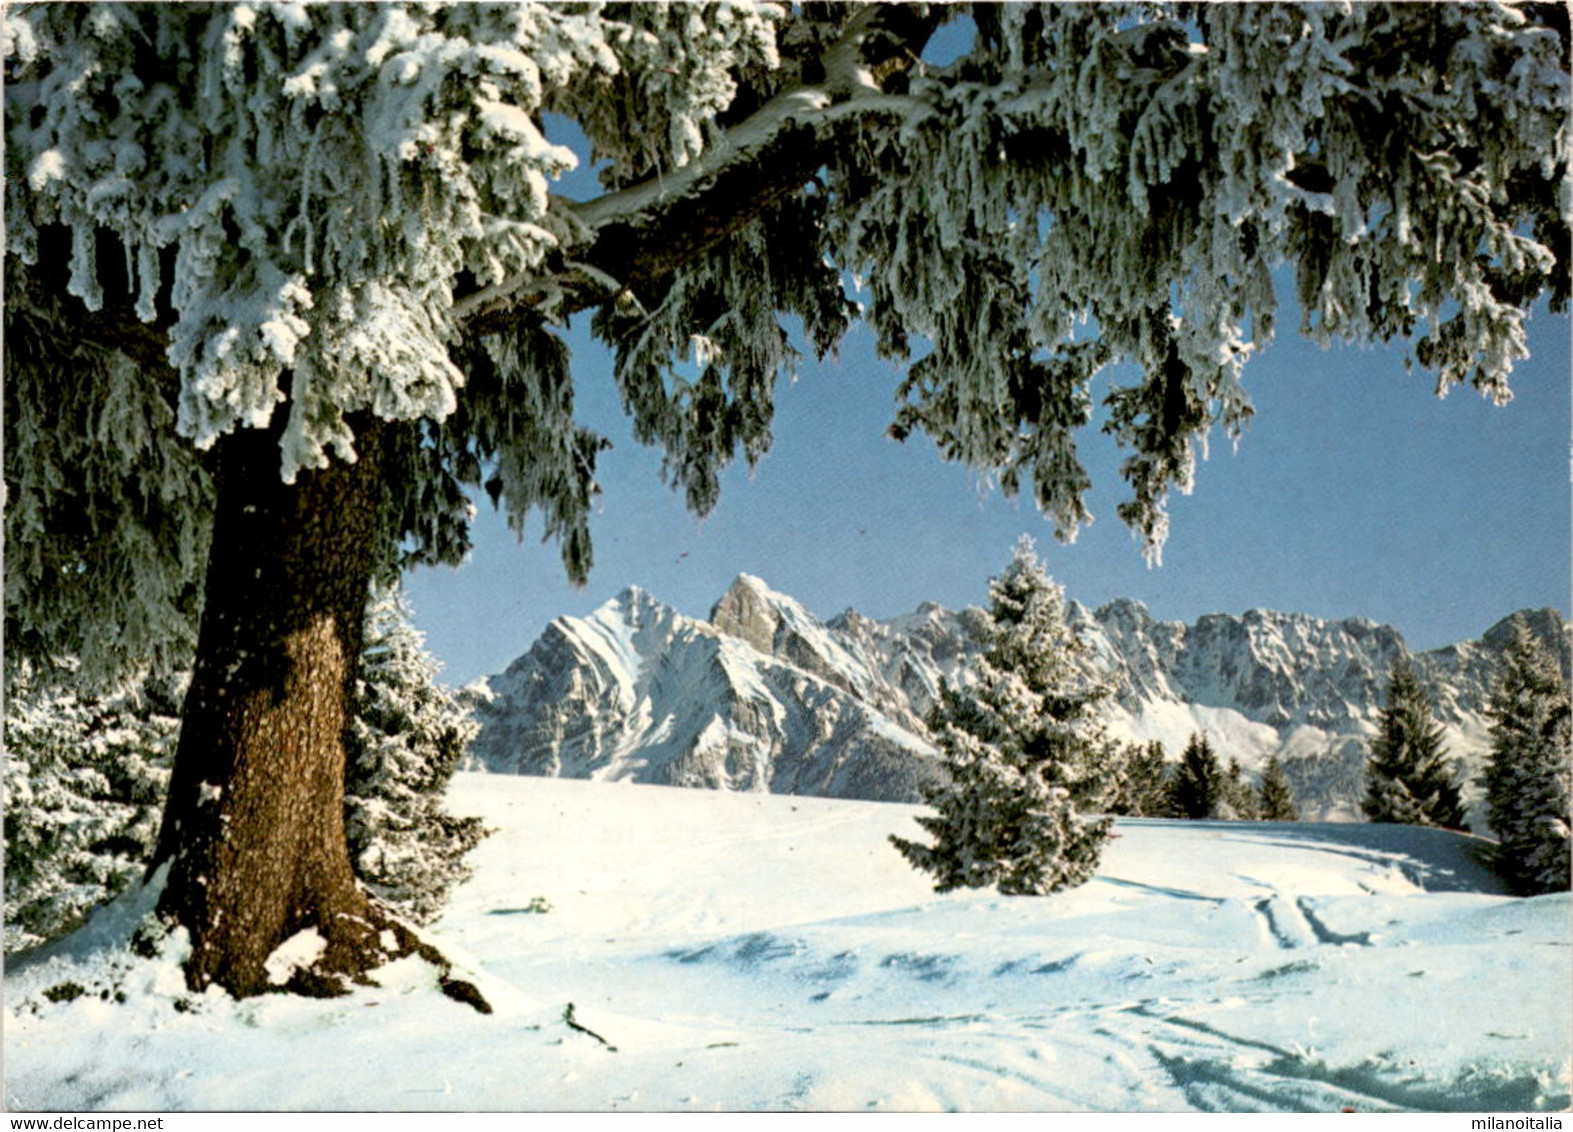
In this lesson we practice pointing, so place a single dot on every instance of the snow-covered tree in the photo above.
(1145, 784)
(1409, 779)
(85, 778)
(407, 738)
(1199, 783)
(1529, 778)
(304, 268)
(1275, 798)
(1023, 749)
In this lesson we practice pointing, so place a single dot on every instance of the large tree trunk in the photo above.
(254, 827)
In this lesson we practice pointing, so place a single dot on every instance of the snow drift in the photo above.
(741, 952)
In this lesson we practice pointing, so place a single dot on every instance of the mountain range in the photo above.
(764, 696)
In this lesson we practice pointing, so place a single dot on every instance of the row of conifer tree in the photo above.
(1200, 786)
(1528, 779)
(1033, 779)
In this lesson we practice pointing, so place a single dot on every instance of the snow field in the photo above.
(746, 952)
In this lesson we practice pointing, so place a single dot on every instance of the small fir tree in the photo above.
(407, 739)
(1023, 751)
(1145, 788)
(1408, 778)
(1275, 799)
(1239, 799)
(1527, 780)
(1198, 781)
(85, 777)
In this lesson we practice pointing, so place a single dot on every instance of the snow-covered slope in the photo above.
(765, 952)
(765, 696)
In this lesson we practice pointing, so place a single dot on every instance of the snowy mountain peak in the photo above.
(764, 697)
(631, 595)
(780, 627)
(1543, 624)
(754, 583)
(1125, 611)
(751, 611)
(636, 607)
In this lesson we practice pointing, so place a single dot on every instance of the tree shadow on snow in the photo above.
(1433, 860)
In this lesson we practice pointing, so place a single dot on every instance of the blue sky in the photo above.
(1355, 492)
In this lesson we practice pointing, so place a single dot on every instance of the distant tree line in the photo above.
(1199, 786)
(1409, 778)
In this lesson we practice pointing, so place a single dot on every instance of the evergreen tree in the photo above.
(1238, 802)
(408, 737)
(1022, 749)
(1198, 781)
(293, 359)
(1145, 790)
(1528, 782)
(1275, 801)
(1408, 778)
(85, 777)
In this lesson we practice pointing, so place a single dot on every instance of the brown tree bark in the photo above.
(253, 830)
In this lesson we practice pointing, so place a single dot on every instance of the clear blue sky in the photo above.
(1355, 492)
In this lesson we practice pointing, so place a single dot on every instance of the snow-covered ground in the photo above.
(744, 951)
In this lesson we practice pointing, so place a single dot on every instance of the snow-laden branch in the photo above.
(848, 91)
(848, 83)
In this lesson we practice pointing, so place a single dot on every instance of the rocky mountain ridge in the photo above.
(765, 696)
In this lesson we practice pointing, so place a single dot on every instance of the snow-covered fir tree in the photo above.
(1529, 778)
(1409, 779)
(1199, 783)
(85, 777)
(1275, 799)
(409, 734)
(306, 269)
(1145, 790)
(1023, 750)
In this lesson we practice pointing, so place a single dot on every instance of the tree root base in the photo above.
(356, 946)
(350, 961)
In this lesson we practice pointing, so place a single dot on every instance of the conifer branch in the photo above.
(646, 231)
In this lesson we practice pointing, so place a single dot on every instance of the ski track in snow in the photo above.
(774, 952)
